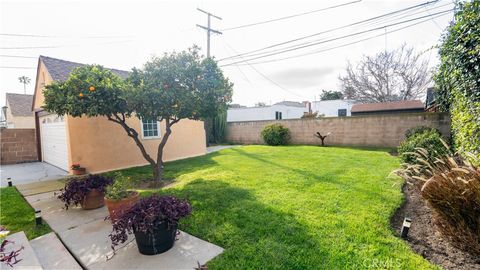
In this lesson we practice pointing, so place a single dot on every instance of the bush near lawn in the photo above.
(451, 186)
(17, 215)
(275, 134)
(422, 137)
(293, 207)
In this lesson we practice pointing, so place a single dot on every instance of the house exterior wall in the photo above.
(386, 130)
(20, 122)
(264, 113)
(329, 108)
(101, 145)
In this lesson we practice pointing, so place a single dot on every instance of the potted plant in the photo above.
(118, 198)
(153, 221)
(88, 191)
(77, 169)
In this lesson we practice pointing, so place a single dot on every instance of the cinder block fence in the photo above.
(17, 146)
(385, 130)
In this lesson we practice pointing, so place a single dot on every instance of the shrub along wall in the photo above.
(458, 77)
(386, 130)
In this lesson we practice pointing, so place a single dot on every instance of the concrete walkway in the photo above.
(25, 173)
(216, 148)
(85, 234)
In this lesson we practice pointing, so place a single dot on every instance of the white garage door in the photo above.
(54, 140)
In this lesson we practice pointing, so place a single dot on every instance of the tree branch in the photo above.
(132, 133)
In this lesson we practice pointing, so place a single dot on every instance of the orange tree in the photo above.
(169, 88)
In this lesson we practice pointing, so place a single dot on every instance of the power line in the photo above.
(343, 45)
(53, 36)
(32, 47)
(18, 56)
(290, 16)
(61, 46)
(266, 77)
(331, 30)
(341, 37)
(372, 24)
(11, 67)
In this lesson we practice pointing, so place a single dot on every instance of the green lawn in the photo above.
(295, 207)
(17, 215)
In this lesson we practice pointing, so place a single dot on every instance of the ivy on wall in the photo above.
(458, 76)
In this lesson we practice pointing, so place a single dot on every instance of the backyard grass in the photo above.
(17, 215)
(294, 207)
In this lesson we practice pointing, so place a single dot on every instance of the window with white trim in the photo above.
(150, 129)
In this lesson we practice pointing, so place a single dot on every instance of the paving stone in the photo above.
(52, 254)
(27, 255)
(186, 253)
(40, 187)
(85, 234)
(58, 218)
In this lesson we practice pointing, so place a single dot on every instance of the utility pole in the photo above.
(209, 29)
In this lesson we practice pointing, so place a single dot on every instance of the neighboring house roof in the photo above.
(388, 106)
(335, 100)
(290, 103)
(234, 105)
(60, 69)
(20, 105)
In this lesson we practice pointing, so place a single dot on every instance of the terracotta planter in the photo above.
(93, 200)
(79, 171)
(116, 208)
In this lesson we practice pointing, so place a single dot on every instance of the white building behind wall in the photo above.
(277, 111)
(331, 108)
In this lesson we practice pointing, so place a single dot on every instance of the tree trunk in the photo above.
(157, 167)
(158, 170)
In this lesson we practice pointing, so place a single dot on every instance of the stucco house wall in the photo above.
(21, 122)
(329, 108)
(101, 145)
(264, 113)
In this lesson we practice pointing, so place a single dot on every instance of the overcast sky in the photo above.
(125, 34)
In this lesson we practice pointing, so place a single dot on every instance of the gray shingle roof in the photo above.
(20, 105)
(60, 69)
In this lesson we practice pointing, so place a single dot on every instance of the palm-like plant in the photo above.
(25, 80)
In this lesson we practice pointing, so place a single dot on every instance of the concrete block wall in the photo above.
(17, 146)
(385, 130)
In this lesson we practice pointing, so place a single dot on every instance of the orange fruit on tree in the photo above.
(91, 88)
(80, 95)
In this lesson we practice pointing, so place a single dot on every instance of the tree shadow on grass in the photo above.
(173, 169)
(254, 235)
(310, 178)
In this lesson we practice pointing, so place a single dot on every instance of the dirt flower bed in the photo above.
(425, 239)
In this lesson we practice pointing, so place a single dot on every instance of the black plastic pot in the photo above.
(161, 240)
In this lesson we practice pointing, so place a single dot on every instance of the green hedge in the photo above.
(276, 134)
(426, 138)
(458, 77)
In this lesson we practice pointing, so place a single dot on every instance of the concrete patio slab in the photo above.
(29, 173)
(27, 255)
(58, 218)
(85, 234)
(187, 252)
(40, 187)
(52, 254)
